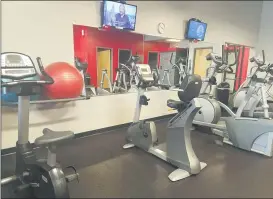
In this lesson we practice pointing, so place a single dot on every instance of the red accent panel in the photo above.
(244, 65)
(80, 42)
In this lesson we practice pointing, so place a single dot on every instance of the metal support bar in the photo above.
(48, 101)
(23, 119)
(8, 180)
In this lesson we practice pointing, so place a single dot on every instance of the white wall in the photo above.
(44, 28)
(265, 39)
(82, 116)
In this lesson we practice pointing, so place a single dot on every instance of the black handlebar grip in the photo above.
(263, 57)
(41, 67)
(252, 59)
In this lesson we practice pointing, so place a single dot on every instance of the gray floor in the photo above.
(106, 170)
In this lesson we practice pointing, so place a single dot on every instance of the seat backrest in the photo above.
(191, 85)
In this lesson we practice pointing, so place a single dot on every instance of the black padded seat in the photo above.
(191, 86)
(174, 104)
(51, 137)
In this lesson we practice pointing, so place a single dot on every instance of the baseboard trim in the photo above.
(93, 132)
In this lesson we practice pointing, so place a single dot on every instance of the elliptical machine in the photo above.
(250, 134)
(178, 149)
(181, 71)
(101, 90)
(211, 110)
(120, 84)
(255, 87)
(88, 90)
(37, 178)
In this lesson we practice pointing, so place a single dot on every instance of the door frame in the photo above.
(111, 63)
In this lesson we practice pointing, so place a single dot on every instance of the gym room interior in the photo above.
(107, 71)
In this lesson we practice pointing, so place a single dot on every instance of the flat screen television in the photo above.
(196, 30)
(118, 15)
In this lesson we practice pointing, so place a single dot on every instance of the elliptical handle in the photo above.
(223, 53)
(171, 59)
(263, 58)
(48, 79)
(253, 59)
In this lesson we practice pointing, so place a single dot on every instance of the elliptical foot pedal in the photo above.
(129, 145)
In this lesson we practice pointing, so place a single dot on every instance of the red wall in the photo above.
(85, 46)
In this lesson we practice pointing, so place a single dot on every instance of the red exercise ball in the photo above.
(68, 81)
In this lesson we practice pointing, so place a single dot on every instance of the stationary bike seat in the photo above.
(50, 137)
(174, 104)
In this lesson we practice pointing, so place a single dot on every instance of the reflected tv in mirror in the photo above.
(118, 15)
(196, 30)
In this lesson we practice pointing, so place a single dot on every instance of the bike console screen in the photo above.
(16, 65)
(144, 72)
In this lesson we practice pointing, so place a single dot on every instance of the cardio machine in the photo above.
(249, 134)
(180, 66)
(101, 90)
(210, 111)
(88, 89)
(178, 149)
(255, 87)
(34, 178)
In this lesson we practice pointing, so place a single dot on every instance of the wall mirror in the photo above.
(106, 52)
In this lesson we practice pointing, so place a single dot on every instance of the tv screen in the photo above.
(119, 15)
(196, 30)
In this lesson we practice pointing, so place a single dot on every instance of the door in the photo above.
(200, 64)
(192, 55)
(124, 55)
(153, 59)
(104, 62)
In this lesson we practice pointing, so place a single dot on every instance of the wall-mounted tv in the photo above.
(196, 30)
(118, 15)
